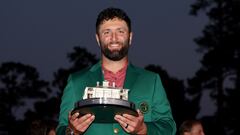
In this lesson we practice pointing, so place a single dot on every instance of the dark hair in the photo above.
(187, 125)
(111, 13)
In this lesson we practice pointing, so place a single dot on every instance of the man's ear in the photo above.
(130, 38)
(97, 38)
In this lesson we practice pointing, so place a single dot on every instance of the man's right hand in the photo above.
(79, 124)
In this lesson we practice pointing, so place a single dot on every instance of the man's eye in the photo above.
(106, 32)
(121, 31)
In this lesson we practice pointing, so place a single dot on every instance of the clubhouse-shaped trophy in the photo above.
(105, 102)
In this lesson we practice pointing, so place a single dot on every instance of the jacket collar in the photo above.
(131, 77)
(97, 75)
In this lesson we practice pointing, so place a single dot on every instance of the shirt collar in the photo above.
(122, 70)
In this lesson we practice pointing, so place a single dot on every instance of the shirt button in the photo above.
(115, 130)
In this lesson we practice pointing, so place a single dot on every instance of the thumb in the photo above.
(139, 112)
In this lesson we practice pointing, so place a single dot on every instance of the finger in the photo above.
(139, 112)
(78, 121)
(87, 119)
(140, 115)
(129, 117)
(82, 119)
(83, 125)
(126, 118)
(127, 127)
(120, 118)
(74, 116)
(131, 120)
(123, 121)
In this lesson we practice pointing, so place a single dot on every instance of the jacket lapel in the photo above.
(131, 77)
(95, 75)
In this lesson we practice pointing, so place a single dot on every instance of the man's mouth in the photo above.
(114, 46)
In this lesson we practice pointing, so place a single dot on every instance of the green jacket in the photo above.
(145, 90)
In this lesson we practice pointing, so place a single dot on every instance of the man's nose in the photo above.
(114, 36)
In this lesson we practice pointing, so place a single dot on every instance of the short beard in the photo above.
(115, 55)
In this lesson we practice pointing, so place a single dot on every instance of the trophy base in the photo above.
(104, 109)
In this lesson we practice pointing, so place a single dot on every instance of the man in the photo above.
(191, 127)
(114, 36)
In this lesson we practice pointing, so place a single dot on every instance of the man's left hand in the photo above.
(132, 124)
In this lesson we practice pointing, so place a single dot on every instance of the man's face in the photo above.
(114, 39)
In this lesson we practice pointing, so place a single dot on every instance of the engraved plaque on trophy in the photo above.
(105, 102)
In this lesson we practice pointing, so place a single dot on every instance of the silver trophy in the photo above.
(105, 102)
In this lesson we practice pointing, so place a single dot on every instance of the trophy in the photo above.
(105, 102)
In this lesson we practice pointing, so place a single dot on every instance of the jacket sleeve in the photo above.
(61, 130)
(67, 104)
(162, 120)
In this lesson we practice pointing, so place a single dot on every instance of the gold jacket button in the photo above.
(115, 130)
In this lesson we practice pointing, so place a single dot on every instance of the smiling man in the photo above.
(114, 36)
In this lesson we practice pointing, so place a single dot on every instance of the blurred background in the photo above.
(192, 45)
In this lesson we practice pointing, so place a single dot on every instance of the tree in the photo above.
(221, 61)
(80, 58)
(17, 83)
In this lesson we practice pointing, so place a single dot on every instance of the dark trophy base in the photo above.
(104, 109)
